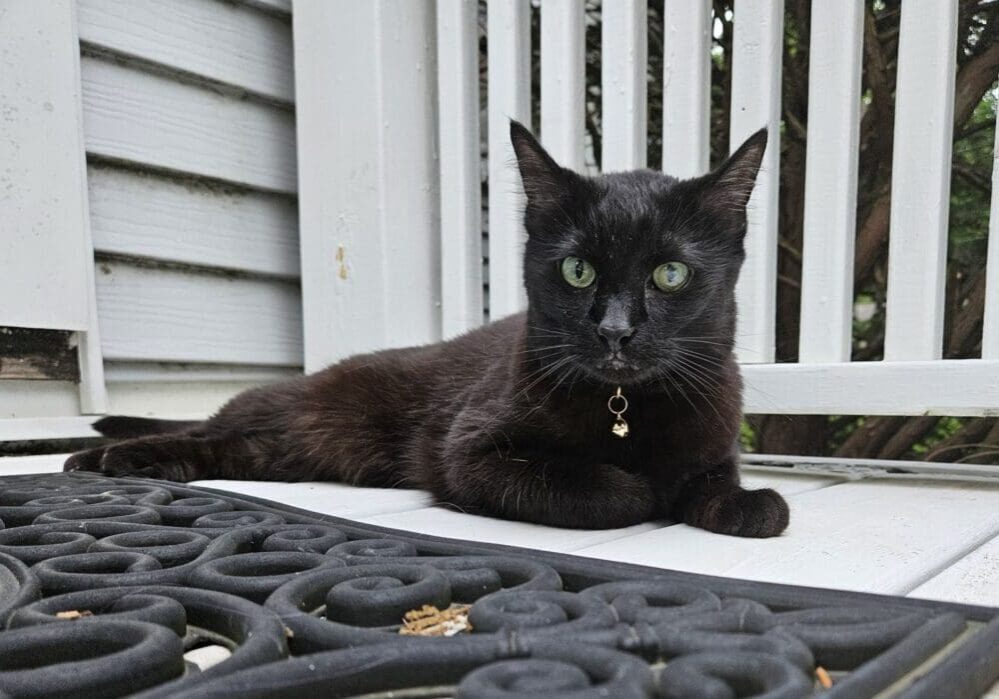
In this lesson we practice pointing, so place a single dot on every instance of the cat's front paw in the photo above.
(89, 460)
(127, 459)
(752, 513)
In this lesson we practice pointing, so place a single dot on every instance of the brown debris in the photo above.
(73, 614)
(431, 621)
(823, 677)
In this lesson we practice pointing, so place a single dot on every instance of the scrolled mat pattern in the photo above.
(112, 587)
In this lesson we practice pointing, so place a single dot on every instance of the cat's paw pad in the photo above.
(751, 513)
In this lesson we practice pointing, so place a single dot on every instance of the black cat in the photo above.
(614, 399)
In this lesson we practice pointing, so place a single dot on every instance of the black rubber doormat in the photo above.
(106, 584)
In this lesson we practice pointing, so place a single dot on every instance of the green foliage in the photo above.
(971, 185)
(747, 437)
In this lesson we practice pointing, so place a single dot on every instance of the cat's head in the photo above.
(632, 274)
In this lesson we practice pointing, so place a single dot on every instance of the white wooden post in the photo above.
(46, 252)
(920, 183)
(509, 56)
(624, 94)
(687, 87)
(458, 119)
(834, 69)
(365, 77)
(563, 80)
(756, 70)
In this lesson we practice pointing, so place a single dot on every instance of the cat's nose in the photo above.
(615, 334)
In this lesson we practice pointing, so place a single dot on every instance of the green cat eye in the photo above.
(671, 276)
(579, 273)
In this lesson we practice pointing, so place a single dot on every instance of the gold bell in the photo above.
(620, 427)
(617, 404)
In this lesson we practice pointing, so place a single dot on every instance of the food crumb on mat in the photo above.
(431, 621)
(74, 614)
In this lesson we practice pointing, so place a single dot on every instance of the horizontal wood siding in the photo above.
(169, 315)
(228, 43)
(151, 216)
(189, 127)
(140, 117)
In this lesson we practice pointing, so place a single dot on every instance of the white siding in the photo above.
(153, 216)
(172, 316)
(188, 128)
(149, 119)
(227, 43)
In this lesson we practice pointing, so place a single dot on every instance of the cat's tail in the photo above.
(124, 427)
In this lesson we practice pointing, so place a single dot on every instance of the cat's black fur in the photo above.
(511, 419)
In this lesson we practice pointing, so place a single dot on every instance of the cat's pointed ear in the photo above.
(731, 185)
(545, 182)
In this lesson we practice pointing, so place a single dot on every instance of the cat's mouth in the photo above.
(614, 368)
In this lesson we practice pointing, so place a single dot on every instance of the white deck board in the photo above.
(973, 579)
(328, 498)
(26, 465)
(786, 484)
(438, 521)
(873, 536)
(935, 539)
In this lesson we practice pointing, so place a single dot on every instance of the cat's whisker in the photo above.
(544, 366)
(706, 387)
(694, 369)
(705, 392)
(551, 369)
(684, 395)
(725, 345)
(542, 349)
(563, 375)
(690, 363)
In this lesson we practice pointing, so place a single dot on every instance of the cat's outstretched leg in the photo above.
(179, 458)
(715, 501)
(548, 489)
